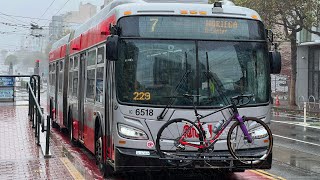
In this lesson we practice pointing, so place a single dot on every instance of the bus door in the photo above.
(81, 89)
(109, 107)
(64, 90)
(56, 84)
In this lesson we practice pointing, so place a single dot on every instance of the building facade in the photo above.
(63, 24)
(55, 27)
(308, 67)
(86, 11)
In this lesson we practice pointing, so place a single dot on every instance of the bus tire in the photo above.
(105, 169)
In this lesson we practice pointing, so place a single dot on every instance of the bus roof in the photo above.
(121, 8)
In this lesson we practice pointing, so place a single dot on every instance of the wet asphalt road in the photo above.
(296, 152)
(296, 155)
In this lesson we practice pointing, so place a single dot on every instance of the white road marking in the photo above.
(297, 124)
(296, 140)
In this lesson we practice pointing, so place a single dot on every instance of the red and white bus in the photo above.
(109, 78)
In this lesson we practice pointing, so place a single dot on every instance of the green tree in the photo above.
(292, 16)
(11, 59)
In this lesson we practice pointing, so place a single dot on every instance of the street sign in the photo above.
(6, 81)
(7, 89)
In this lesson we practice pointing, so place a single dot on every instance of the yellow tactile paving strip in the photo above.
(73, 171)
(267, 175)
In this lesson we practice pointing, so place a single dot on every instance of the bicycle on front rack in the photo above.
(249, 139)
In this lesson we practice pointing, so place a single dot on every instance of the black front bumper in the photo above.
(128, 160)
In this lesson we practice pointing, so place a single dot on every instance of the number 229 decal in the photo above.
(141, 96)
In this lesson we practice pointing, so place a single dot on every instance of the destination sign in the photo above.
(220, 26)
(186, 27)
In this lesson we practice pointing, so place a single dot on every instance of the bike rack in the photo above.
(221, 160)
(300, 99)
(314, 102)
(218, 162)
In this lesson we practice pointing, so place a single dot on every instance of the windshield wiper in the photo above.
(185, 76)
(163, 112)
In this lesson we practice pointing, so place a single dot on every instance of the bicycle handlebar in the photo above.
(240, 98)
(235, 99)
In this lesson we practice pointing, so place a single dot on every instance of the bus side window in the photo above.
(90, 83)
(71, 63)
(53, 75)
(100, 74)
(100, 58)
(70, 76)
(91, 73)
(50, 74)
(75, 84)
(99, 84)
(60, 78)
(70, 82)
(76, 62)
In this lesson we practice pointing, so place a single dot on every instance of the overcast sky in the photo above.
(33, 9)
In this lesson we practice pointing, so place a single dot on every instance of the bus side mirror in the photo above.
(112, 48)
(269, 34)
(275, 62)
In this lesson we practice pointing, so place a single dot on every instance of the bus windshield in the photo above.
(149, 71)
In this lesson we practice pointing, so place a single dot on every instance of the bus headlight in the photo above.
(131, 132)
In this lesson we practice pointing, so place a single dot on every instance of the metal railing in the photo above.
(35, 111)
(309, 105)
(36, 114)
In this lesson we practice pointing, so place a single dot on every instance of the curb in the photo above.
(77, 155)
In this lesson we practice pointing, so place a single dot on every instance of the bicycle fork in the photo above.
(244, 129)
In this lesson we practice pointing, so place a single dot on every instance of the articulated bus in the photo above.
(112, 80)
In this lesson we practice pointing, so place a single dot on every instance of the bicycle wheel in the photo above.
(168, 146)
(250, 153)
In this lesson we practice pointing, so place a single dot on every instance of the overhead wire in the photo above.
(27, 17)
(15, 25)
(47, 9)
(62, 7)
(11, 32)
(12, 18)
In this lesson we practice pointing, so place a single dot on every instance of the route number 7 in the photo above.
(155, 21)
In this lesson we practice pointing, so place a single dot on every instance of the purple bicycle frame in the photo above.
(242, 126)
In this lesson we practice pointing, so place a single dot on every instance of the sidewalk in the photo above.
(295, 110)
(20, 157)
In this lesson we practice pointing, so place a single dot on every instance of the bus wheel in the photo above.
(104, 168)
